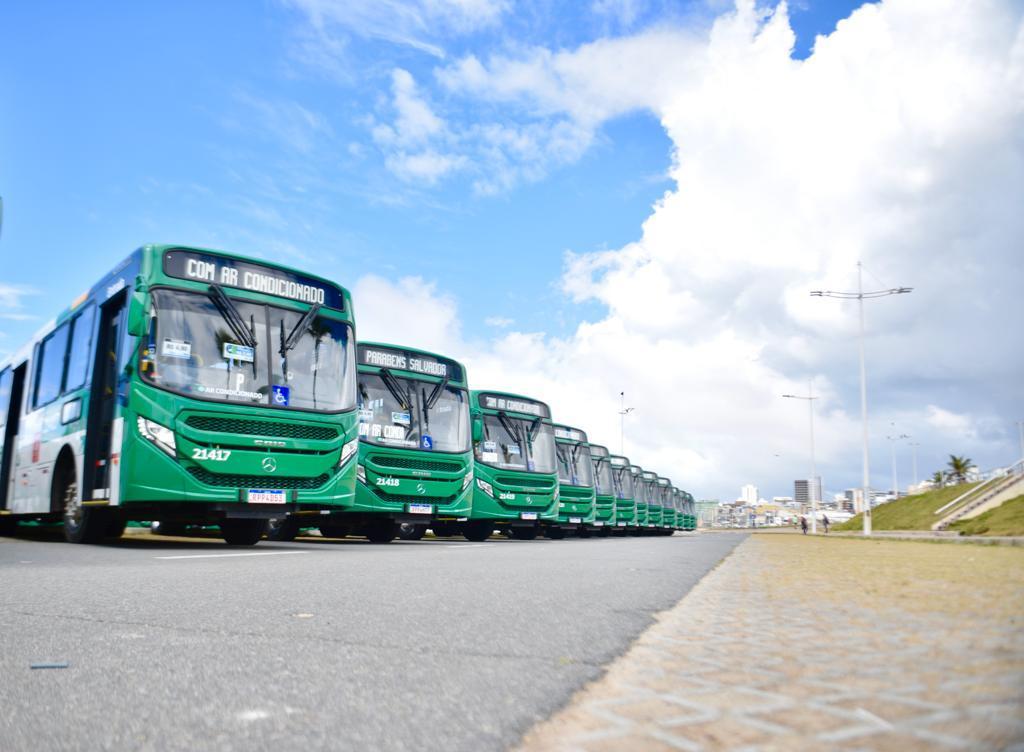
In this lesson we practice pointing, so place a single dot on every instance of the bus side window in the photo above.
(50, 367)
(81, 348)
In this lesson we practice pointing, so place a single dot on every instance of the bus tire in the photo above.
(8, 525)
(334, 530)
(81, 524)
(411, 531)
(242, 532)
(524, 533)
(282, 530)
(381, 531)
(443, 529)
(554, 533)
(582, 532)
(477, 530)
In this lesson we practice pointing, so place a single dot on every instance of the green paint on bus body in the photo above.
(215, 386)
(642, 496)
(604, 489)
(415, 458)
(576, 504)
(515, 475)
(624, 489)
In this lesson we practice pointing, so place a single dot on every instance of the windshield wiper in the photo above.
(436, 394)
(512, 429)
(403, 397)
(231, 316)
(298, 330)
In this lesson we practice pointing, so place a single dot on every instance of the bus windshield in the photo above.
(205, 347)
(602, 471)
(517, 444)
(622, 482)
(401, 412)
(575, 465)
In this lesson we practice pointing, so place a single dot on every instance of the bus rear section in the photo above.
(515, 486)
(415, 460)
(624, 490)
(219, 390)
(604, 491)
(575, 484)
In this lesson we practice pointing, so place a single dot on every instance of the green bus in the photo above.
(690, 512)
(677, 509)
(652, 515)
(668, 510)
(514, 466)
(625, 493)
(575, 484)
(604, 491)
(654, 510)
(641, 495)
(186, 386)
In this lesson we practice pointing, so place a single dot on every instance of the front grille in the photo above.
(398, 499)
(262, 428)
(256, 481)
(527, 485)
(410, 463)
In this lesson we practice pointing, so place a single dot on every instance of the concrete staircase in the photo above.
(983, 497)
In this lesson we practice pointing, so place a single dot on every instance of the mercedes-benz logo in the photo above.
(269, 464)
(420, 489)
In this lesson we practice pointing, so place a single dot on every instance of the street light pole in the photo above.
(811, 490)
(914, 445)
(859, 296)
(622, 423)
(892, 442)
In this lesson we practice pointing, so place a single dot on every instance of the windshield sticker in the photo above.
(280, 395)
(242, 353)
(175, 348)
(224, 392)
(426, 441)
(394, 432)
(531, 465)
(513, 449)
(444, 408)
(401, 419)
(366, 416)
(489, 457)
(490, 446)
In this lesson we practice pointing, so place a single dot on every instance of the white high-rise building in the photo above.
(748, 494)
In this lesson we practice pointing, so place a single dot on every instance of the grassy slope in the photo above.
(1005, 519)
(910, 513)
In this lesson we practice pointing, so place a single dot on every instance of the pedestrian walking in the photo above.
(803, 524)
(825, 522)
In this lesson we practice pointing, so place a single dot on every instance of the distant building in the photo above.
(748, 494)
(800, 494)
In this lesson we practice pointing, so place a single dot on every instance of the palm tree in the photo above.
(958, 467)
(938, 478)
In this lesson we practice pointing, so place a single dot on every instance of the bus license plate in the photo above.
(421, 509)
(528, 516)
(266, 496)
(598, 523)
(575, 520)
(620, 524)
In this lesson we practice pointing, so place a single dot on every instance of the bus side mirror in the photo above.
(478, 429)
(138, 325)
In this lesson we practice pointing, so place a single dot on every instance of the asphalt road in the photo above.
(175, 644)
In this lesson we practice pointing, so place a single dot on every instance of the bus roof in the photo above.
(375, 355)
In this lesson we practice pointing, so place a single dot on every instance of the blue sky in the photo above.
(450, 144)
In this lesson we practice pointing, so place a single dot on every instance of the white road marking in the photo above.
(225, 556)
(457, 546)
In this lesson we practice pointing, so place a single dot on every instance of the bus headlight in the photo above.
(468, 479)
(350, 448)
(161, 436)
(485, 487)
(361, 473)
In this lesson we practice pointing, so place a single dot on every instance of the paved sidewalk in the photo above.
(796, 642)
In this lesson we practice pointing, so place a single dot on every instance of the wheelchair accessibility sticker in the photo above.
(280, 394)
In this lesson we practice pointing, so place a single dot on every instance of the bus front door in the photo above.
(12, 383)
(99, 433)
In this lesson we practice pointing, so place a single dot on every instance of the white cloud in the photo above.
(406, 311)
(12, 302)
(500, 322)
(898, 142)
(286, 122)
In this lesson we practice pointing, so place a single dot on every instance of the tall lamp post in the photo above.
(811, 491)
(892, 442)
(860, 296)
(622, 423)
(913, 446)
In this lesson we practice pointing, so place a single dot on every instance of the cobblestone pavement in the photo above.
(797, 642)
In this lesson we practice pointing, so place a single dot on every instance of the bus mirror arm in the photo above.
(478, 429)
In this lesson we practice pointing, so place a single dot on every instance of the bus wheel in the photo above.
(524, 533)
(242, 532)
(582, 532)
(443, 529)
(554, 533)
(81, 525)
(8, 526)
(411, 531)
(282, 530)
(477, 530)
(381, 531)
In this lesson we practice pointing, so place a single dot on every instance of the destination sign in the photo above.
(619, 461)
(570, 434)
(405, 360)
(246, 275)
(514, 405)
